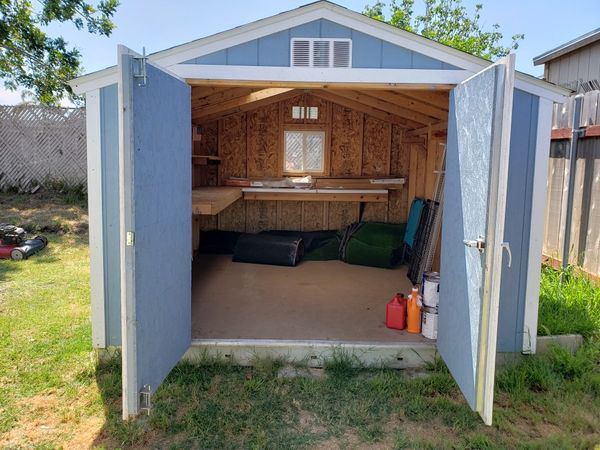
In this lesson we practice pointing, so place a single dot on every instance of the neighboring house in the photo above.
(355, 98)
(574, 64)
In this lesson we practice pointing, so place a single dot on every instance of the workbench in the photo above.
(211, 200)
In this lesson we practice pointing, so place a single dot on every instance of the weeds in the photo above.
(569, 303)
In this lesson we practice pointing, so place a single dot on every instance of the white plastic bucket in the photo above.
(431, 289)
(429, 323)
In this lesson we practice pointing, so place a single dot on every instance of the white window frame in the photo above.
(311, 51)
(305, 112)
(305, 133)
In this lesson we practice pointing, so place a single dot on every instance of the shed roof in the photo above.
(321, 9)
(574, 44)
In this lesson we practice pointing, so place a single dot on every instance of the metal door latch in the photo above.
(506, 246)
(478, 243)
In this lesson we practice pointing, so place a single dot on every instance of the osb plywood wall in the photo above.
(250, 143)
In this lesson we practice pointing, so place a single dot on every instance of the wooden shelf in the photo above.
(204, 160)
(317, 195)
(210, 201)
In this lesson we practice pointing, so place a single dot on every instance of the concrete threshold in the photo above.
(314, 353)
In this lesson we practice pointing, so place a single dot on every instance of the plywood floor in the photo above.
(317, 300)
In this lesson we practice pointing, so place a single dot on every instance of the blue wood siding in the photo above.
(367, 51)
(157, 196)
(109, 144)
(518, 220)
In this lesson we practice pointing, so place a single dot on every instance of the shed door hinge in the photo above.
(145, 399)
(130, 239)
(139, 68)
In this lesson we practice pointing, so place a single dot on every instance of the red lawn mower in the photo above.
(15, 245)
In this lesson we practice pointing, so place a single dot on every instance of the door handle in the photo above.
(478, 243)
(506, 246)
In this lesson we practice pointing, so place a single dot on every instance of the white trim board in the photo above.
(308, 13)
(299, 75)
(536, 227)
(95, 215)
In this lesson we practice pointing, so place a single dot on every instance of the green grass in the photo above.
(569, 303)
(53, 394)
(45, 350)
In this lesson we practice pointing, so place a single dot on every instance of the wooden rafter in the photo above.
(379, 114)
(245, 103)
(219, 97)
(203, 91)
(409, 103)
(438, 99)
(415, 117)
(440, 126)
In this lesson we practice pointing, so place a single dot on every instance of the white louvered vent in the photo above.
(311, 52)
(301, 53)
(341, 53)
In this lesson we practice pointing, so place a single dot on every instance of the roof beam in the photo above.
(377, 113)
(397, 98)
(438, 99)
(204, 91)
(440, 126)
(374, 102)
(241, 104)
(317, 84)
(219, 97)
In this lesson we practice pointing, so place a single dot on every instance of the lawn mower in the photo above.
(15, 245)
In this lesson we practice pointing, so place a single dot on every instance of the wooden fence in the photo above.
(39, 145)
(584, 248)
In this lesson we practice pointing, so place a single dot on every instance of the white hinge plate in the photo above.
(146, 399)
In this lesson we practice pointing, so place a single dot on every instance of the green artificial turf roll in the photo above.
(328, 250)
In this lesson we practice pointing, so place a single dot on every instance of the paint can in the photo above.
(429, 323)
(431, 289)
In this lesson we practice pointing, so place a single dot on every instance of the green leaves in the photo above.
(41, 64)
(450, 23)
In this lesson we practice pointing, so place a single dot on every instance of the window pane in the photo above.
(297, 112)
(313, 159)
(293, 151)
(312, 112)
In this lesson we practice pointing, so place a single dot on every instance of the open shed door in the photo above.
(479, 123)
(155, 211)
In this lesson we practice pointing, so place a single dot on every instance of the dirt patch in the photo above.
(48, 418)
(43, 213)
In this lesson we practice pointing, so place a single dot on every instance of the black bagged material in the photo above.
(269, 249)
(312, 240)
(218, 241)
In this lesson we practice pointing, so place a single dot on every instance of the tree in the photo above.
(447, 22)
(31, 59)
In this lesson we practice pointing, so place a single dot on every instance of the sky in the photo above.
(157, 25)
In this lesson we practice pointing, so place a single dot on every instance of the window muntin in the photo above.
(304, 151)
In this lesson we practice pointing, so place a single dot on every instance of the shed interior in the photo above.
(243, 131)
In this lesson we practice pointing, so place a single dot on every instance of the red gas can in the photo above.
(395, 314)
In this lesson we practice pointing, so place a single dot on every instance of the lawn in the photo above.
(52, 393)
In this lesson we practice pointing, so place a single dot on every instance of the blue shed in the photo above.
(373, 114)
